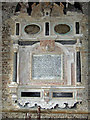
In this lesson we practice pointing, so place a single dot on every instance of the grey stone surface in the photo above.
(24, 60)
(46, 67)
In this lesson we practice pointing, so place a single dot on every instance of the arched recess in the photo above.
(65, 50)
(35, 50)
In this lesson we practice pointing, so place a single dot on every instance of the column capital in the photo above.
(78, 45)
(15, 47)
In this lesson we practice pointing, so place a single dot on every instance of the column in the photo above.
(78, 64)
(78, 61)
(15, 67)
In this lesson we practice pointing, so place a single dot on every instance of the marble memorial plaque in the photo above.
(46, 66)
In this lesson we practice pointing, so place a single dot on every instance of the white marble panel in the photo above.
(24, 65)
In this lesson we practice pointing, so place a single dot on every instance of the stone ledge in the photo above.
(61, 87)
(46, 111)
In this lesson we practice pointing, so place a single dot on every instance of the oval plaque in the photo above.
(62, 28)
(32, 29)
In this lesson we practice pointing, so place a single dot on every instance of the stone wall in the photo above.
(7, 67)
